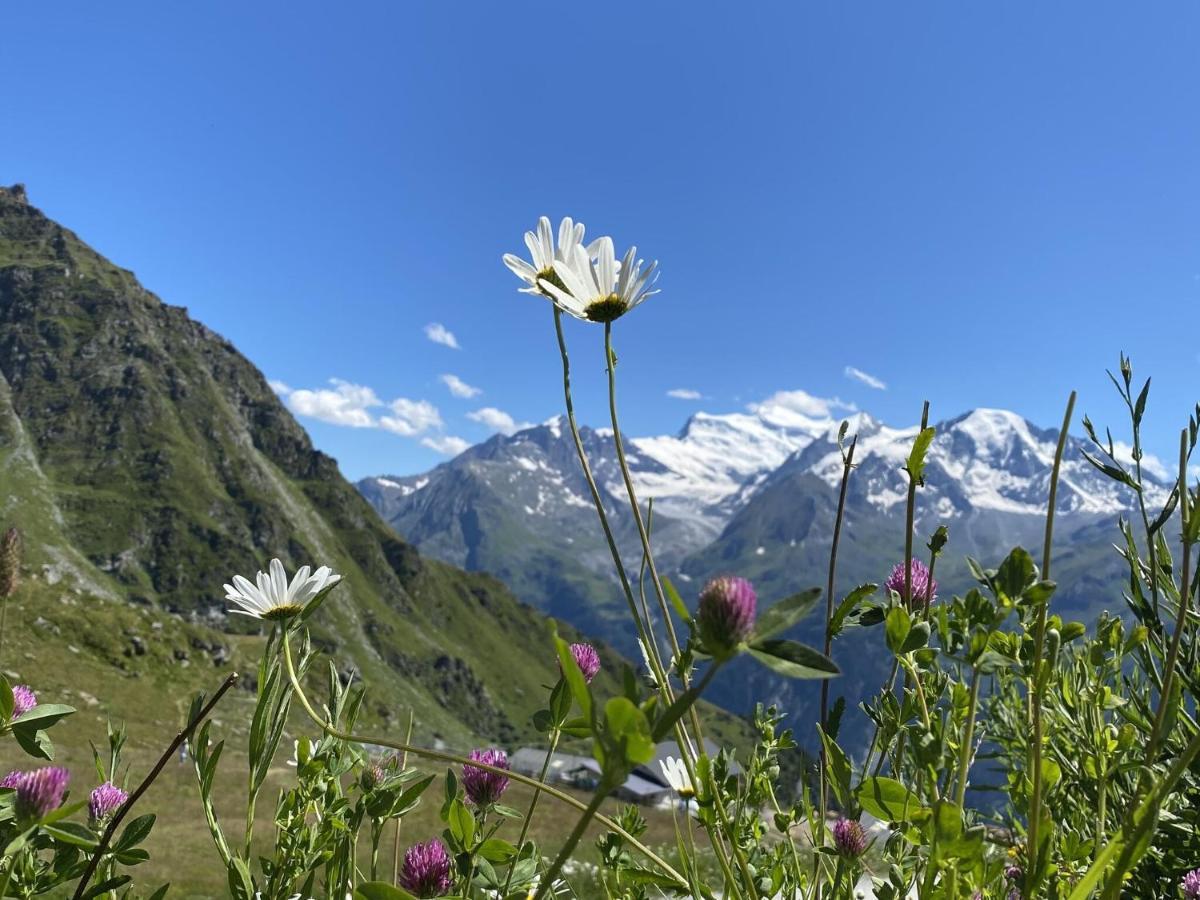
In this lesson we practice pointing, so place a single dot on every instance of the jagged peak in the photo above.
(15, 192)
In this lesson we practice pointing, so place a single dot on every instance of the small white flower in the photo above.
(594, 286)
(677, 777)
(545, 252)
(273, 598)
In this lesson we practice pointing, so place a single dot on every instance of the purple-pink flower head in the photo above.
(725, 616)
(485, 788)
(24, 699)
(426, 871)
(1191, 884)
(40, 791)
(104, 801)
(587, 659)
(371, 776)
(924, 588)
(12, 779)
(1014, 873)
(849, 838)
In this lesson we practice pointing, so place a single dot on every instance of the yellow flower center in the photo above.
(279, 613)
(552, 277)
(606, 310)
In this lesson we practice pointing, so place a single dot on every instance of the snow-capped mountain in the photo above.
(755, 493)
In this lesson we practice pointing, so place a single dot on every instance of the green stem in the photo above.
(964, 752)
(910, 510)
(1164, 697)
(597, 501)
(848, 464)
(648, 556)
(619, 443)
(1039, 644)
(400, 819)
(564, 854)
(554, 738)
(438, 755)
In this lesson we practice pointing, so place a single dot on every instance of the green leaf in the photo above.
(109, 884)
(241, 885)
(786, 613)
(947, 821)
(35, 743)
(918, 637)
(381, 890)
(497, 850)
(837, 622)
(627, 727)
(676, 601)
(889, 800)
(837, 768)
(897, 625)
(793, 659)
(135, 832)
(7, 702)
(461, 822)
(1015, 574)
(916, 459)
(42, 716)
(72, 833)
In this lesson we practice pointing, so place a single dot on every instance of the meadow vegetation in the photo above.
(1013, 754)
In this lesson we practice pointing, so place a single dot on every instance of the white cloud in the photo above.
(280, 387)
(460, 388)
(411, 417)
(497, 420)
(1150, 463)
(684, 394)
(346, 404)
(866, 378)
(446, 444)
(440, 334)
(798, 408)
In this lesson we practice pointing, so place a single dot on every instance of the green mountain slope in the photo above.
(147, 461)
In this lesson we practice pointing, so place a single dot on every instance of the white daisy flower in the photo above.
(677, 777)
(273, 598)
(545, 252)
(601, 290)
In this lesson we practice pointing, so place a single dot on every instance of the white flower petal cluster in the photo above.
(273, 597)
(677, 777)
(587, 282)
(545, 252)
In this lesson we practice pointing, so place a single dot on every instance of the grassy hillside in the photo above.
(147, 461)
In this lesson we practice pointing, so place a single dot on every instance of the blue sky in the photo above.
(979, 205)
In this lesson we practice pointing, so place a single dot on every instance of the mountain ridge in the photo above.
(146, 460)
(987, 478)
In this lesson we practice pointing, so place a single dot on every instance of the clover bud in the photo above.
(725, 616)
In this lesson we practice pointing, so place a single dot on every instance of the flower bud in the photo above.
(104, 801)
(483, 787)
(849, 838)
(725, 616)
(587, 659)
